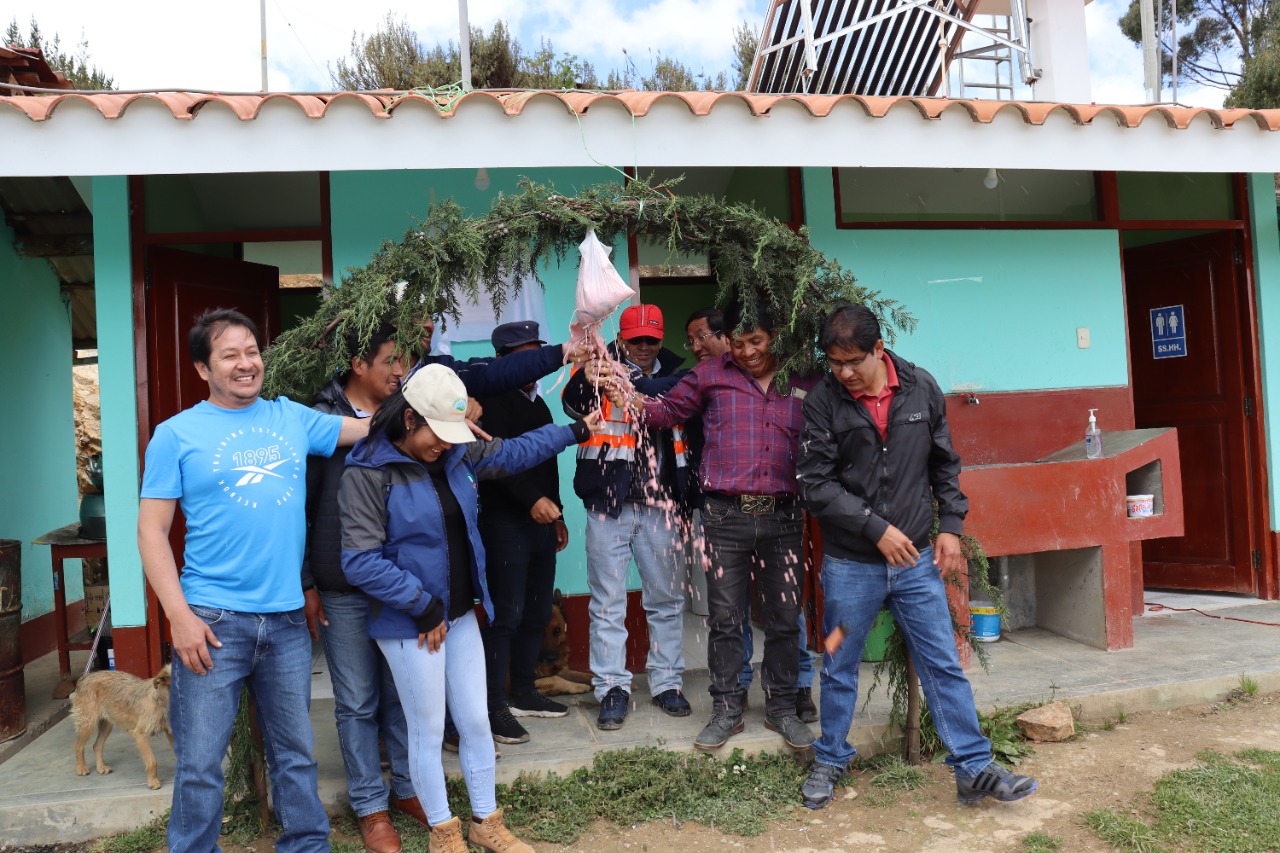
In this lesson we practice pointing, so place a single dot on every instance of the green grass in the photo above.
(1038, 842)
(737, 795)
(1122, 831)
(1248, 686)
(139, 840)
(1223, 803)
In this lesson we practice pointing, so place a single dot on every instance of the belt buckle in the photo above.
(757, 504)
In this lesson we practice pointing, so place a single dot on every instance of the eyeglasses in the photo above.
(645, 342)
(689, 344)
(851, 364)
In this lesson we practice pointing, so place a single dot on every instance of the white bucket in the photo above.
(1140, 506)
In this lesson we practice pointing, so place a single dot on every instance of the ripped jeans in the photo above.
(425, 682)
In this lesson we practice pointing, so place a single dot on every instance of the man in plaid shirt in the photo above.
(748, 476)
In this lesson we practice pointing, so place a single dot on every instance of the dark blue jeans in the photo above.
(520, 565)
(770, 545)
(365, 705)
(271, 653)
(917, 596)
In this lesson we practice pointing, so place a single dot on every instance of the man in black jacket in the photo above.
(366, 704)
(633, 483)
(875, 455)
(522, 528)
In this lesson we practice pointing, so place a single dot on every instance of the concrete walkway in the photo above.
(1178, 659)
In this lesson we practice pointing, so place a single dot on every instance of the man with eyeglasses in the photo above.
(632, 482)
(876, 456)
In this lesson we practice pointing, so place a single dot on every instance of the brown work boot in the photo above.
(492, 834)
(447, 838)
(377, 833)
(413, 808)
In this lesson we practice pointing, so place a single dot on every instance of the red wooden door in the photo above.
(1203, 395)
(181, 286)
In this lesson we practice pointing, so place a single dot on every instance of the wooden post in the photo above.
(911, 739)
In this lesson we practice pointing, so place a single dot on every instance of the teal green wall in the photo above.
(38, 433)
(113, 288)
(997, 310)
(1266, 273)
(371, 207)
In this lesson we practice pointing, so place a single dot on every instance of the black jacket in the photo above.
(604, 484)
(322, 565)
(507, 416)
(858, 485)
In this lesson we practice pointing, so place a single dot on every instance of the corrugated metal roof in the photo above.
(186, 106)
(51, 221)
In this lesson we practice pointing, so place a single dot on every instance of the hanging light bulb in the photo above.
(991, 181)
(482, 179)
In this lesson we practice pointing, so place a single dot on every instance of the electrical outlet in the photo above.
(1082, 338)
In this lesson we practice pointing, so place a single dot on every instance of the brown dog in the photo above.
(108, 698)
(554, 678)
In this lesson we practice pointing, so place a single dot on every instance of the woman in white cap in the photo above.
(408, 505)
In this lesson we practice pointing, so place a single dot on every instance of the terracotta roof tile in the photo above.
(383, 104)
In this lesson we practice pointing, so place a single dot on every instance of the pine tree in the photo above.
(75, 67)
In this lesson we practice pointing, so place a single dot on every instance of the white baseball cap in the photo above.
(435, 392)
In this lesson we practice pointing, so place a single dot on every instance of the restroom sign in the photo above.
(1168, 332)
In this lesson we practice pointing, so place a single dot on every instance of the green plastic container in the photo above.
(878, 640)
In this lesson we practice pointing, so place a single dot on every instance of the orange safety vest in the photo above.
(617, 441)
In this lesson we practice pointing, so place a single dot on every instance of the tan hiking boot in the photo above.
(447, 837)
(492, 834)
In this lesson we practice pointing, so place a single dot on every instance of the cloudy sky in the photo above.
(180, 44)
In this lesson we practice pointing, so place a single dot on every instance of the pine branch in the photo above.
(449, 258)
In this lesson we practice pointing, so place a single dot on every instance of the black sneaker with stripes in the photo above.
(995, 782)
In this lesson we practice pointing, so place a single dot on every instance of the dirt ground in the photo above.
(1098, 768)
(1101, 766)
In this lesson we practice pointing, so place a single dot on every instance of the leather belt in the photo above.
(754, 504)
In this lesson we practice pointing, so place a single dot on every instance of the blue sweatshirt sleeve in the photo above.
(486, 377)
(504, 457)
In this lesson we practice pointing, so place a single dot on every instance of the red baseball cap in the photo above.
(641, 321)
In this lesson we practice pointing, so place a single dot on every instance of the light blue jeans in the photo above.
(427, 681)
(917, 597)
(366, 705)
(271, 653)
(806, 672)
(651, 535)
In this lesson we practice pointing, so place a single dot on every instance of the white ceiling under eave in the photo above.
(147, 138)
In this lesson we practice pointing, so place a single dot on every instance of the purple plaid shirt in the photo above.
(752, 436)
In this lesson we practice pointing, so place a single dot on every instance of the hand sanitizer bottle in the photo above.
(1093, 438)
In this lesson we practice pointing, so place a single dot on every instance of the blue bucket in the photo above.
(985, 621)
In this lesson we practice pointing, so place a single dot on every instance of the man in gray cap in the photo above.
(522, 529)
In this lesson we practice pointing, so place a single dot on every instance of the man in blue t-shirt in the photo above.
(236, 464)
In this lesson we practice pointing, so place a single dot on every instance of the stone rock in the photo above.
(1048, 723)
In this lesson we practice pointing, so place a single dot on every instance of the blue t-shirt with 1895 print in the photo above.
(240, 476)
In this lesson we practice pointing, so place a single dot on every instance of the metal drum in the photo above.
(13, 693)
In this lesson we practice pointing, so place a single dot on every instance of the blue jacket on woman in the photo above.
(394, 545)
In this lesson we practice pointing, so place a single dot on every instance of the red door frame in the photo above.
(140, 650)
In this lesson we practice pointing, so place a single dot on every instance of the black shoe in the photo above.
(673, 703)
(451, 745)
(505, 728)
(820, 787)
(717, 732)
(613, 709)
(795, 733)
(805, 709)
(996, 782)
(536, 705)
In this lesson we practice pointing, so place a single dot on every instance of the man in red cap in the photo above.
(633, 482)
